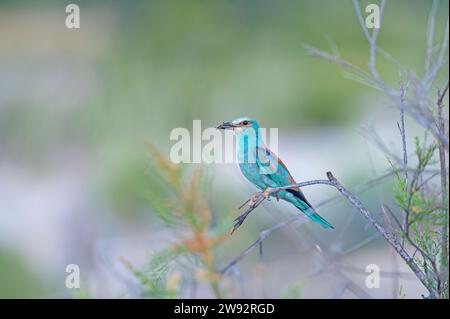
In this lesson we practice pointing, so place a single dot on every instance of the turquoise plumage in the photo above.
(264, 169)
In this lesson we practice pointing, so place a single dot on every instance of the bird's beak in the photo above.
(226, 125)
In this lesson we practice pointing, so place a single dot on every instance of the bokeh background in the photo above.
(78, 105)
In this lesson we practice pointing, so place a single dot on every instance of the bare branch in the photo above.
(419, 105)
(372, 134)
(441, 96)
(371, 38)
(401, 127)
(262, 236)
(431, 75)
(403, 92)
(443, 166)
(364, 76)
(383, 273)
(390, 239)
(332, 181)
(430, 34)
(361, 20)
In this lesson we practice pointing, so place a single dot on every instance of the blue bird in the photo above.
(264, 169)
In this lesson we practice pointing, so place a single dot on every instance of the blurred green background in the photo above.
(76, 107)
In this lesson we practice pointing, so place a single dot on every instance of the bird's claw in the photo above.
(238, 222)
(254, 199)
(252, 203)
(267, 193)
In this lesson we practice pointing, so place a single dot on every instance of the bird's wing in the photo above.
(274, 168)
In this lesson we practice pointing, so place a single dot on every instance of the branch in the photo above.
(371, 38)
(430, 34)
(441, 96)
(401, 128)
(417, 108)
(259, 197)
(359, 74)
(332, 181)
(431, 74)
(262, 236)
(443, 166)
(383, 273)
(389, 237)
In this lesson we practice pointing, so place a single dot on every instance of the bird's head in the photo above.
(240, 125)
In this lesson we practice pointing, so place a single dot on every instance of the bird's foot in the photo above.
(238, 221)
(251, 201)
(268, 192)
(254, 199)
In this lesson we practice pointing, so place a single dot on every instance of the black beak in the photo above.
(225, 125)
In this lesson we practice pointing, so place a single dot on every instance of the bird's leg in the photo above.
(251, 201)
(245, 203)
(254, 198)
(270, 191)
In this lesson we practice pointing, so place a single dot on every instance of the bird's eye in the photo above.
(245, 122)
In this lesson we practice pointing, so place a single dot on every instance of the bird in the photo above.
(264, 169)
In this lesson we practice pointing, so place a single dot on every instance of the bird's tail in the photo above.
(311, 213)
(319, 219)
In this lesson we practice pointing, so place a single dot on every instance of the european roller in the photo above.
(264, 169)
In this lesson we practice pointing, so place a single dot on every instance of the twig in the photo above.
(361, 188)
(356, 270)
(431, 75)
(372, 134)
(366, 78)
(372, 39)
(340, 289)
(325, 258)
(393, 216)
(360, 244)
(262, 236)
(430, 34)
(443, 167)
(350, 285)
(403, 92)
(441, 96)
(401, 127)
